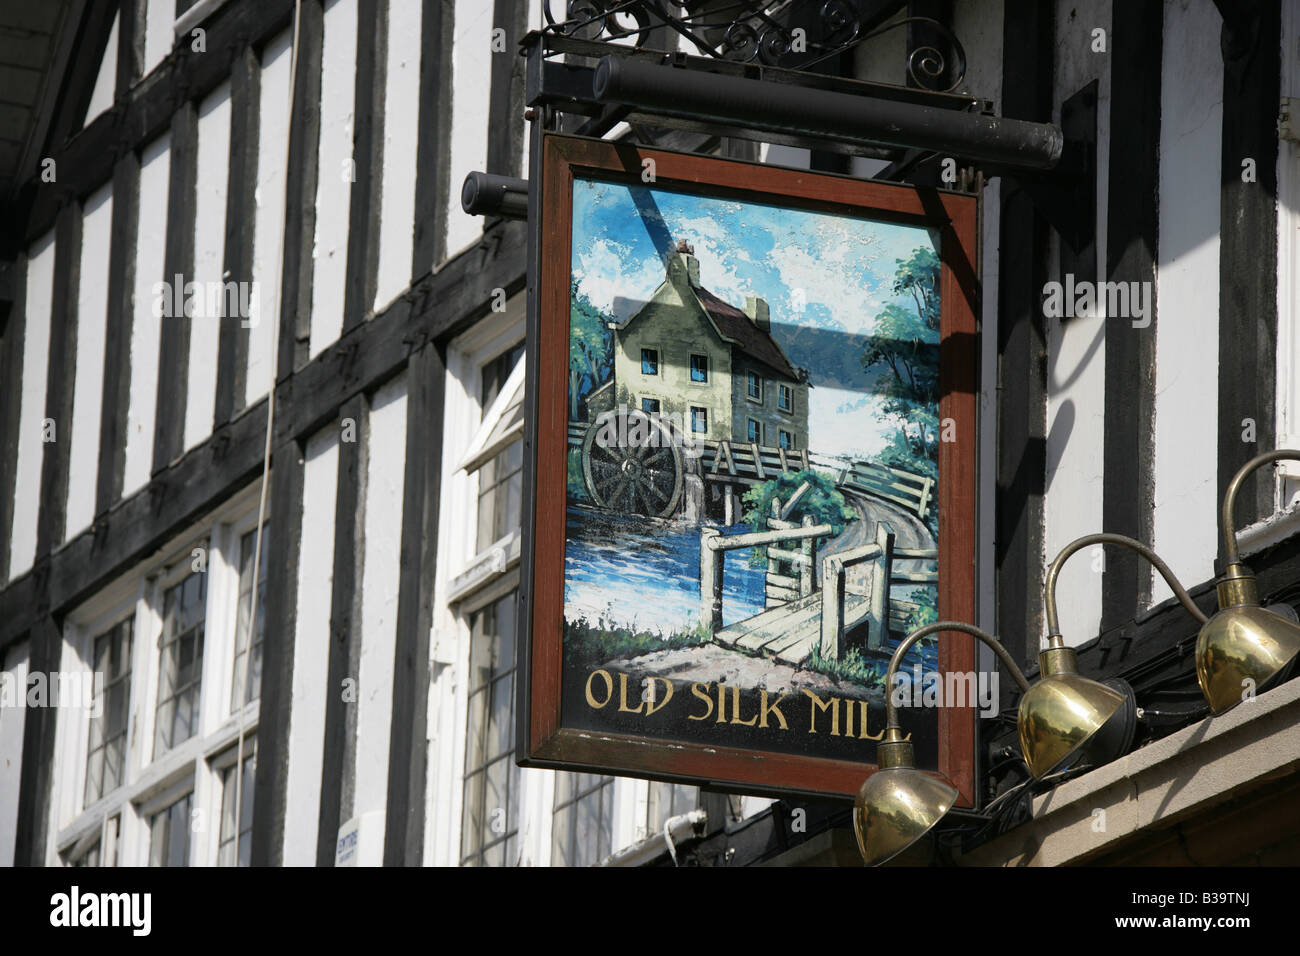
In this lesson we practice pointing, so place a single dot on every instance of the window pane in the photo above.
(246, 685)
(490, 811)
(169, 834)
(108, 715)
(181, 662)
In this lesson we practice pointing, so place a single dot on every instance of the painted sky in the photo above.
(825, 279)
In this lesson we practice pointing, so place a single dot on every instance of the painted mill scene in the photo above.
(752, 444)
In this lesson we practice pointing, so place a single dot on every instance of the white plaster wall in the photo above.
(209, 251)
(472, 79)
(101, 97)
(401, 131)
(88, 385)
(383, 509)
(146, 327)
(273, 135)
(1187, 338)
(31, 447)
(311, 648)
(11, 748)
(337, 170)
(1076, 355)
(158, 33)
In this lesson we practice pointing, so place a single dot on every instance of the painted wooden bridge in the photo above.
(647, 475)
(800, 617)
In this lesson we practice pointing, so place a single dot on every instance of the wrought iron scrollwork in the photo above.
(787, 33)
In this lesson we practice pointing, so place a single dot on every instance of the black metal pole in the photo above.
(763, 105)
(487, 194)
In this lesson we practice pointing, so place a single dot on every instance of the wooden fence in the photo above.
(893, 484)
(882, 616)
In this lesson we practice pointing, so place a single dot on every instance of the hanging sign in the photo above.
(751, 421)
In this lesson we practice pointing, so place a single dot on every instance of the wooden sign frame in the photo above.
(544, 740)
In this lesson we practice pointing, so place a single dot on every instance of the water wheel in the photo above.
(632, 463)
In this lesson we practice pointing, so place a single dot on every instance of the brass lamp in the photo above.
(898, 804)
(1064, 711)
(1243, 647)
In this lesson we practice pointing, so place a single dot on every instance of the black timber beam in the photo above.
(1248, 248)
(116, 397)
(284, 525)
(44, 648)
(368, 154)
(1027, 43)
(12, 336)
(436, 309)
(178, 265)
(505, 146)
(1132, 234)
(85, 161)
(241, 216)
(339, 755)
(433, 149)
(426, 378)
(60, 379)
(300, 193)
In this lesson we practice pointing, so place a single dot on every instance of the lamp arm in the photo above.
(1230, 552)
(891, 712)
(1107, 537)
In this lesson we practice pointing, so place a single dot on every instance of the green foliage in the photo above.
(591, 346)
(906, 344)
(927, 607)
(853, 668)
(823, 502)
(577, 485)
(590, 645)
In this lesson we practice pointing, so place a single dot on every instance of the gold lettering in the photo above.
(623, 708)
(654, 703)
(863, 735)
(848, 716)
(609, 689)
(702, 692)
(735, 709)
(722, 704)
(764, 708)
(818, 704)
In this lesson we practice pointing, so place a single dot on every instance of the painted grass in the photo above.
(587, 644)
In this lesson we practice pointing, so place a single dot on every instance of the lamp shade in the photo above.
(895, 808)
(1240, 651)
(1061, 712)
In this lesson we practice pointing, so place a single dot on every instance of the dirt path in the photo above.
(909, 532)
(712, 663)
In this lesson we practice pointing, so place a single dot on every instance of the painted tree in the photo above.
(591, 349)
(906, 343)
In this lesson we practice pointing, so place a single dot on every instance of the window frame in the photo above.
(751, 377)
(691, 369)
(785, 440)
(783, 390)
(754, 431)
(138, 595)
(704, 418)
(655, 353)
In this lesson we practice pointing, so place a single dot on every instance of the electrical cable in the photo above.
(266, 470)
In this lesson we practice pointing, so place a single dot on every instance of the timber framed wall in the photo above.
(410, 275)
